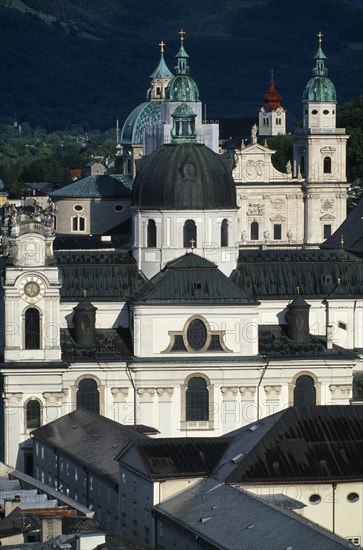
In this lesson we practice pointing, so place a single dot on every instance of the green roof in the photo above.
(162, 70)
(320, 88)
(191, 280)
(143, 115)
(115, 185)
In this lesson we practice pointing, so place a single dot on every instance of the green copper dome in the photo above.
(182, 87)
(320, 88)
(162, 70)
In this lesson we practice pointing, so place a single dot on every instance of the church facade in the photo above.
(179, 326)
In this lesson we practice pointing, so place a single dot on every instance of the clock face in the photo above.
(278, 111)
(31, 289)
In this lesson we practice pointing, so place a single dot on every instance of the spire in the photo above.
(183, 125)
(272, 98)
(182, 67)
(320, 69)
(162, 70)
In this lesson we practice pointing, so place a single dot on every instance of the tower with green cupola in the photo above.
(320, 155)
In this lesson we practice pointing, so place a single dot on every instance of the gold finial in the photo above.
(182, 33)
(84, 293)
(320, 37)
(297, 290)
(342, 242)
(162, 44)
(192, 243)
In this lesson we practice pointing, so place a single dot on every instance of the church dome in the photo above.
(184, 175)
(320, 88)
(143, 115)
(182, 87)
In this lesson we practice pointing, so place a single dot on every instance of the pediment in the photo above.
(327, 217)
(256, 148)
(278, 218)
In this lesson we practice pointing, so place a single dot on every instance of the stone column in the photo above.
(123, 412)
(14, 426)
(248, 405)
(231, 412)
(166, 417)
(146, 409)
(53, 405)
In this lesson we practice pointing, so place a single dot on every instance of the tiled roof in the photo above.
(96, 187)
(350, 232)
(110, 345)
(105, 275)
(89, 438)
(300, 444)
(269, 274)
(227, 518)
(181, 457)
(191, 279)
(273, 342)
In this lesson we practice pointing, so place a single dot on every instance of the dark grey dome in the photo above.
(187, 176)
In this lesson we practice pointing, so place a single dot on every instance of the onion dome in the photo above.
(320, 88)
(272, 98)
(184, 174)
(182, 87)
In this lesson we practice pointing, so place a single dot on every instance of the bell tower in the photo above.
(32, 284)
(272, 116)
(320, 156)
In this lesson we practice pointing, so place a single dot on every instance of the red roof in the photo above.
(272, 98)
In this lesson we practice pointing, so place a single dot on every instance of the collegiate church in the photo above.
(190, 293)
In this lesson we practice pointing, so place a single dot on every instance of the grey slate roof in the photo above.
(276, 273)
(227, 518)
(110, 345)
(274, 343)
(300, 444)
(105, 275)
(168, 458)
(90, 439)
(113, 185)
(191, 280)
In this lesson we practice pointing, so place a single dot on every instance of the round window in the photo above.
(353, 497)
(197, 334)
(326, 112)
(314, 112)
(315, 499)
(78, 207)
(118, 208)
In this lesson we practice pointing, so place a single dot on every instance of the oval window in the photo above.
(315, 499)
(118, 208)
(78, 207)
(314, 112)
(353, 497)
(326, 112)
(188, 170)
(197, 334)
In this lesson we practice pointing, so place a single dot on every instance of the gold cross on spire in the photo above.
(182, 33)
(162, 44)
(320, 37)
(192, 243)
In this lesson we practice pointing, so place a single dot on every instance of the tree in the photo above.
(282, 144)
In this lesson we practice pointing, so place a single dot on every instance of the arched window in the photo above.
(254, 231)
(224, 233)
(32, 328)
(32, 414)
(197, 400)
(151, 234)
(88, 396)
(78, 223)
(304, 391)
(190, 234)
(302, 165)
(327, 165)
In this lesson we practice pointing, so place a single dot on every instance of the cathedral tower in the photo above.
(320, 156)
